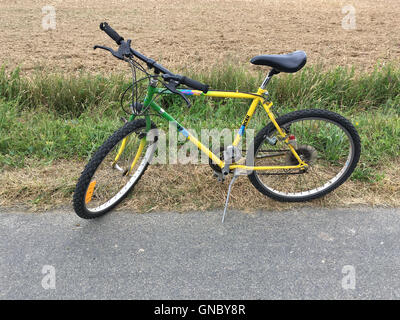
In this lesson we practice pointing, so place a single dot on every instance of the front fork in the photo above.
(142, 141)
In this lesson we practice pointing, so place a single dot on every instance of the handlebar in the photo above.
(111, 33)
(187, 81)
(126, 50)
(194, 84)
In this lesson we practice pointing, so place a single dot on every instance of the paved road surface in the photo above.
(302, 254)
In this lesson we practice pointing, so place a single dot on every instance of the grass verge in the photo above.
(182, 188)
(50, 124)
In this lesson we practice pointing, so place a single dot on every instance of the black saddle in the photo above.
(290, 62)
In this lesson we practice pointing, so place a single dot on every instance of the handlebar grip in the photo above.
(194, 84)
(111, 32)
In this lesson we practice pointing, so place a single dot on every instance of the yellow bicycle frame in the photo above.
(258, 98)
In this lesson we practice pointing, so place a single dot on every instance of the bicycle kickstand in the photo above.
(235, 175)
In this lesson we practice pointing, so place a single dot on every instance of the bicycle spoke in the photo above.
(319, 142)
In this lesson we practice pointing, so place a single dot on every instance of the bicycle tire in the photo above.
(289, 118)
(81, 189)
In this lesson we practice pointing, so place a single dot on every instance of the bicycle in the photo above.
(300, 156)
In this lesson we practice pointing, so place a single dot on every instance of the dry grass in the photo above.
(197, 34)
(180, 188)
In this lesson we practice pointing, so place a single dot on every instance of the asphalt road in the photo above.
(302, 254)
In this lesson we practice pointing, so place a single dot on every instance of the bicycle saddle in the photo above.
(290, 62)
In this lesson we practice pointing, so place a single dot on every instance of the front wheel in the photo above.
(114, 169)
(327, 142)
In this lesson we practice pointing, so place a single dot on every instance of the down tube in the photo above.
(186, 133)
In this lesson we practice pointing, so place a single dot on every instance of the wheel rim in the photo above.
(115, 175)
(335, 152)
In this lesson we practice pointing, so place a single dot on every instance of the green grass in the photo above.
(43, 136)
(45, 117)
(65, 95)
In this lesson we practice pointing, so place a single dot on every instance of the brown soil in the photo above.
(198, 34)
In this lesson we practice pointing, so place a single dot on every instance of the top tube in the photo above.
(217, 94)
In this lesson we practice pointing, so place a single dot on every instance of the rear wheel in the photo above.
(326, 141)
(114, 169)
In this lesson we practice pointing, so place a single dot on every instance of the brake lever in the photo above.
(123, 50)
(171, 86)
(115, 54)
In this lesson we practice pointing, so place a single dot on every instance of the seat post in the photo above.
(268, 78)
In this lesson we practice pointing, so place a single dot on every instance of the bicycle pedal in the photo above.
(219, 176)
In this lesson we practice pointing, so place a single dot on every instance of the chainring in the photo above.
(220, 154)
